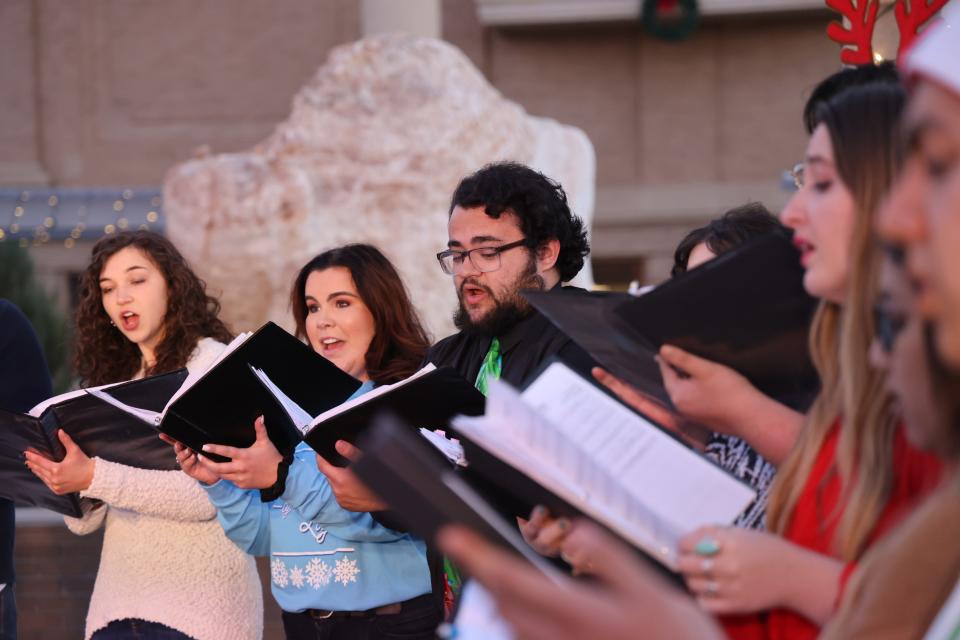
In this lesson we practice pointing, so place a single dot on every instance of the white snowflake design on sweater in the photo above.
(296, 577)
(278, 572)
(318, 573)
(346, 571)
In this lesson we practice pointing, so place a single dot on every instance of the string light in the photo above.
(88, 208)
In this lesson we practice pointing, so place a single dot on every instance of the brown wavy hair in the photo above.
(400, 342)
(102, 353)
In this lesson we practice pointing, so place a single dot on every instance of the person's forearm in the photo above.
(768, 426)
(813, 583)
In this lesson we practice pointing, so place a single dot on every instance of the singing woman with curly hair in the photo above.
(166, 569)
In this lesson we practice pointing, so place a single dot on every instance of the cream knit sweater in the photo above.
(165, 557)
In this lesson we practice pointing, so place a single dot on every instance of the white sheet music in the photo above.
(450, 448)
(367, 397)
(587, 448)
(38, 410)
(523, 438)
(152, 418)
(681, 486)
(297, 414)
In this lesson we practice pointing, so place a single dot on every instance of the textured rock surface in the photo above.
(371, 152)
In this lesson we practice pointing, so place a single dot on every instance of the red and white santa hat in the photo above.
(936, 55)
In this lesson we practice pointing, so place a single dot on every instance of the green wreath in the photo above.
(672, 27)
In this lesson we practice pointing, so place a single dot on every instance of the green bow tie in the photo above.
(490, 368)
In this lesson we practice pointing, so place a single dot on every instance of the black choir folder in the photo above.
(425, 491)
(219, 405)
(98, 429)
(427, 399)
(565, 443)
(746, 309)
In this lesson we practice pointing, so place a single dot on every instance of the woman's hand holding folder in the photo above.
(253, 467)
(72, 474)
(351, 494)
(544, 533)
(720, 398)
(189, 462)
(625, 600)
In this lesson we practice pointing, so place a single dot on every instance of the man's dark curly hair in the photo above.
(538, 201)
(103, 354)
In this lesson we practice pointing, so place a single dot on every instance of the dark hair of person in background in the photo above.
(400, 342)
(868, 74)
(539, 202)
(946, 393)
(103, 355)
(732, 229)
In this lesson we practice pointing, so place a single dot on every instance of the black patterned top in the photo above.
(740, 459)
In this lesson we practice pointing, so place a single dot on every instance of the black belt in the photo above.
(384, 610)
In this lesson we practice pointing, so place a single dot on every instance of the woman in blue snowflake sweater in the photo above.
(335, 573)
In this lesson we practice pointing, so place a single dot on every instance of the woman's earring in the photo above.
(112, 323)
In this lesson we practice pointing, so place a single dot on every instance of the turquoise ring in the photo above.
(707, 546)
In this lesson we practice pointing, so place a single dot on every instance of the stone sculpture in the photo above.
(375, 144)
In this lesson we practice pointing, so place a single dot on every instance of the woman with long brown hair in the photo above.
(852, 474)
(336, 573)
(166, 569)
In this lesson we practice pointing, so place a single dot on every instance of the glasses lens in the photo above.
(797, 174)
(485, 259)
(446, 263)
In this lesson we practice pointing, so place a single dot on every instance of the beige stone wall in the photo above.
(681, 130)
(107, 92)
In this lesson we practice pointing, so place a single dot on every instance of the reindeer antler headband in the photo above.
(911, 15)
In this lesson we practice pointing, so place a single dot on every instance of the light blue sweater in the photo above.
(322, 556)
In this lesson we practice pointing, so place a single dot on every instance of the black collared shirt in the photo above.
(525, 348)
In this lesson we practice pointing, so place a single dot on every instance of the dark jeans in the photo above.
(130, 628)
(8, 614)
(418, 620)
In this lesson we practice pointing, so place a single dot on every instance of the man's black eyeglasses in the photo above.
(483, 259)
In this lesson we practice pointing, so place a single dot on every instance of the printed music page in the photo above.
(673, 481)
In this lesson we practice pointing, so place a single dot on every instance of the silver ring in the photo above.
(706, 566)
(712, 588)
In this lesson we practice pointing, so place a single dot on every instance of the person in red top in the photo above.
(841, 482)
(851, 474)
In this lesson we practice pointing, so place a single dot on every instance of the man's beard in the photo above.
(507, 311)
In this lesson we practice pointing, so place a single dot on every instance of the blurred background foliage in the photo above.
(19, 285)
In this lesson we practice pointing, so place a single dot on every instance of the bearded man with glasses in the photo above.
(510, 228)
